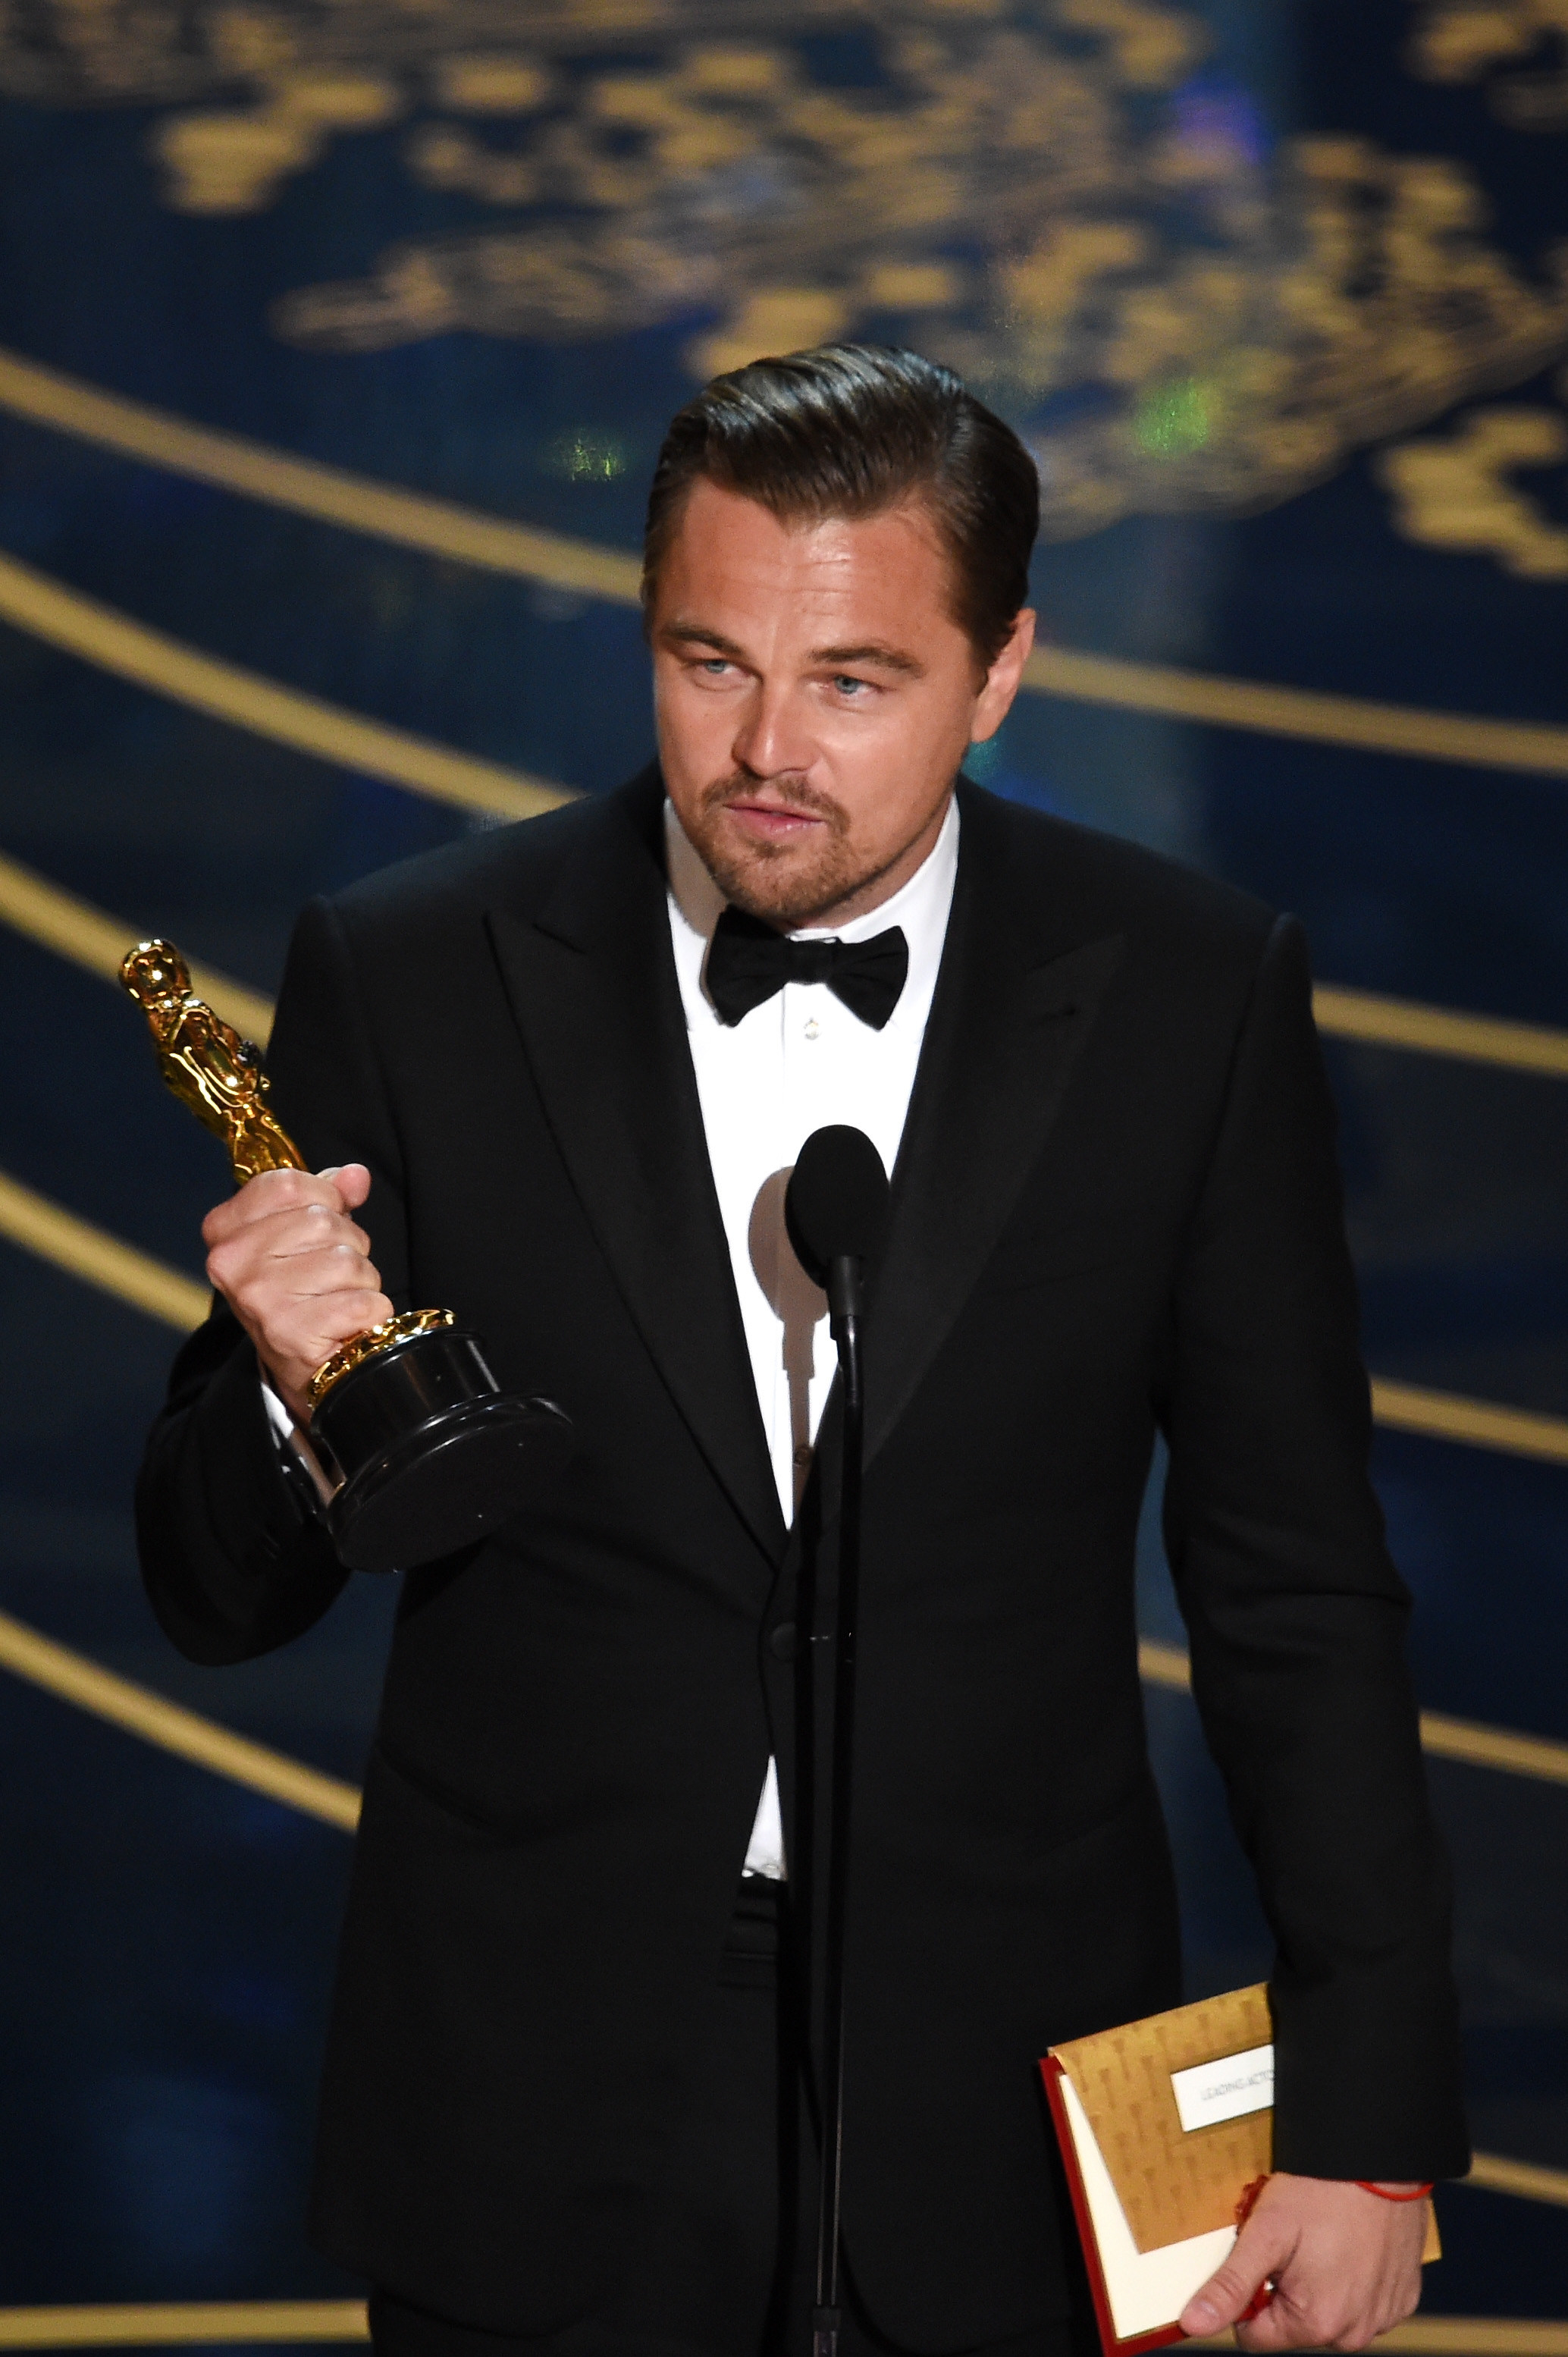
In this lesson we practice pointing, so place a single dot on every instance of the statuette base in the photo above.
(434, 1458)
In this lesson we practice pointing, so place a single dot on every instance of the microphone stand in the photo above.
(844, 1304)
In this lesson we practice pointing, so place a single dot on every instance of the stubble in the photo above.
(786, 885)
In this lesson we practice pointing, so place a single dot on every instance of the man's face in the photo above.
(815, 700)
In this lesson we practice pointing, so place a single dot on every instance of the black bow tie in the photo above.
(747, 962)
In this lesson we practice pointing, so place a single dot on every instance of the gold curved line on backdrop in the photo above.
(140, 1710)
(1478, 2336)
(74, 929)
(99, 1258)
(1454, 2336)
(1381, 1022)
(1163, 1665)
(1535, 1756)
(330, 495)
(442, 528)
(98, 634)
(1353, 722)
(91, 1252)
(1494, 1747)
(1527, 2178)
(168, 2323)
(137, 1710)
(1444, 1415)
(230, 2323)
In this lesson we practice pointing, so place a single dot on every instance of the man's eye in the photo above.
(847, 686)
(714, 665)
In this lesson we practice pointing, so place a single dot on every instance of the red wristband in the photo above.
(1416, 2194)
(1248, 2199)
(1244, 2208)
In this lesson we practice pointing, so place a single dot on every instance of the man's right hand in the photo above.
(296, 1270)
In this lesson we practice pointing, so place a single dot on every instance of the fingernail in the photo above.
(1200, 2317)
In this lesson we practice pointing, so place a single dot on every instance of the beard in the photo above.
(786, 885)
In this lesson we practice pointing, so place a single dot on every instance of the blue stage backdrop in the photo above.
(336, 342)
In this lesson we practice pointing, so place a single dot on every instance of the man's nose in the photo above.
(772, 739)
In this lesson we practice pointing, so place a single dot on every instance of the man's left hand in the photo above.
(1345, 2267)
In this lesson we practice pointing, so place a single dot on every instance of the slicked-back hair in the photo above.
(853, 430)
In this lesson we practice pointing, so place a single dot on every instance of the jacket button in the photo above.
(782, 1641)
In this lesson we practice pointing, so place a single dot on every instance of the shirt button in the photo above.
(812, 1029)
(782, 1641)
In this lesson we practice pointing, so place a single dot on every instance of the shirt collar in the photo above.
(922, 907)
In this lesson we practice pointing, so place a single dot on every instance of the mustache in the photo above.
(790, 793)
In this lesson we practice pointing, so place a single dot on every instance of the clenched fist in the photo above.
(296, 1270)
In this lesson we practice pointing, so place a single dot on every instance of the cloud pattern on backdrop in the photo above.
(1182, 314)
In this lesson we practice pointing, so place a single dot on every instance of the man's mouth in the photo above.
(764, 822)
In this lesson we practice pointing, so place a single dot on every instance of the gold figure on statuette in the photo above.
(221, 1078)
(207, 1064)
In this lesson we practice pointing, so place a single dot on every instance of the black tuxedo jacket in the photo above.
(1115, 1211)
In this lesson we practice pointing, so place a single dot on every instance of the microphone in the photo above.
(836, 1213)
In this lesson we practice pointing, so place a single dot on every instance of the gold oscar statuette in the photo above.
(421, 1449)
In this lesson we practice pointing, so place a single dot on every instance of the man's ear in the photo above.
(1003, 678)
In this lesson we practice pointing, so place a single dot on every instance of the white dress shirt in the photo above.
(795, 1063)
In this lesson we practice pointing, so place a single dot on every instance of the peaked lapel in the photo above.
(1013, 1005)
(591, 978)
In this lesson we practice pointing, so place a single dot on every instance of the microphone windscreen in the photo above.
(835, 1206)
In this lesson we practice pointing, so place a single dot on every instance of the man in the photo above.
(556, 1076)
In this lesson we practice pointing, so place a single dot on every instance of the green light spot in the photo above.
(1174, 418)
(583, 455)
